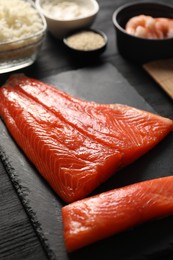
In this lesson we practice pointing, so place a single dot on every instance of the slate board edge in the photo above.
(23, 198)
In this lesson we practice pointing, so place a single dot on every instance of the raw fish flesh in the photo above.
(76, 145)
(91, 219)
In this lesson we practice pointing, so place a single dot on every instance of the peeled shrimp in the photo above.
(165, 25)
(150, 28)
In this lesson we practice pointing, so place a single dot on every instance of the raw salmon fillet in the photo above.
(91, 219)
(75, 145)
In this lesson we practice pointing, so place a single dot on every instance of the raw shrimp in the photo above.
(150, 28)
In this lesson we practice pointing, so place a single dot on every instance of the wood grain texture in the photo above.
(18, 239)
(162, 72)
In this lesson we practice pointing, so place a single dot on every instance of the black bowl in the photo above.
(137, 49)
(86, 54)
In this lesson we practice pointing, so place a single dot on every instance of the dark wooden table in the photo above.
(18, 239)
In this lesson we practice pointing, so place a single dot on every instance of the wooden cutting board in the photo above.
(103, 84)
(162, 72)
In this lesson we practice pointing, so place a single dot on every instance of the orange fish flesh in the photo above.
(76, 145)
(91, 219)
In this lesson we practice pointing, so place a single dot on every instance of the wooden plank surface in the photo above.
(162, 72)
(18, 239)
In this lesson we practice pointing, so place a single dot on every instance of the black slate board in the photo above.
(102, 84)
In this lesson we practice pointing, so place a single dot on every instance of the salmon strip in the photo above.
(75, 145)
(98, 217)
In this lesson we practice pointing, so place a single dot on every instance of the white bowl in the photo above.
(62, 24)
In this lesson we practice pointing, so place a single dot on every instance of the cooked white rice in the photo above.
(18, 20)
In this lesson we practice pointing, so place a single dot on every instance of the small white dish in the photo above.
(64, 16)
